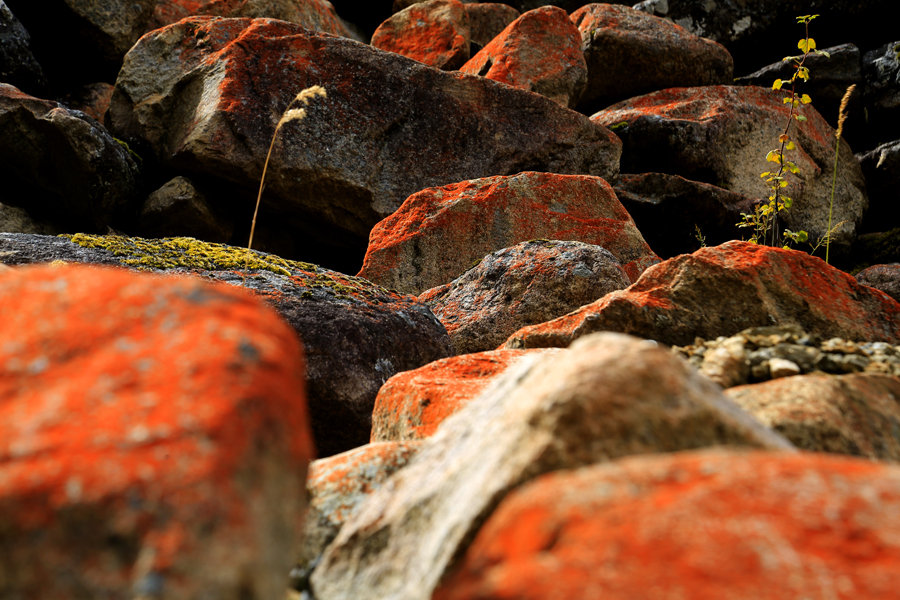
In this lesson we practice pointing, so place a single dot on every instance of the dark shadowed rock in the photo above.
(607, 396)
(18, 66)
(773, 525)
(200, 94)
(17, 220)
(629, 53)
(488, 19)
(722, 134)
(882, 277)
(91, 99)
(724, 289)
(539, 52)
(151, 426)
(440, 233)
(529, 283)
(180, 209)
(356, 334)
(62, 166)
(435, 32)
(881, 167)
(881, 70)
(854, 414)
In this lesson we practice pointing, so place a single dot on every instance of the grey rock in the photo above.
(882, 277)
(178, 208)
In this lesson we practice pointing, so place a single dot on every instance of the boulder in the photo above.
(62, 166)
(201, 95)
(18, 66)
(853, 414)
(488, 19)
(154, 437)
(700, 525)
(529, 283)
(435, 32)
(677, 215)
(412, 404)
(722, 135)
(178, 208)
(607, 396)
(882, 277)
(629, 53)
(881, 167)
(439, 233)
(718, 291)
(356, 334)
(881, 71)
(539, 52)
(17, 220)
(92, 99)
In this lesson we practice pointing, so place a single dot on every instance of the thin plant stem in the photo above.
(262, 182)
(842, 116)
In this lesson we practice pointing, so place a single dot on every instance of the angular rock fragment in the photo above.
(435, 32)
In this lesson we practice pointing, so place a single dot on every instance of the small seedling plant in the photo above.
(763, 221)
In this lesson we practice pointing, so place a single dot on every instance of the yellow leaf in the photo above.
(777, 85)
(790, 146)
(805, 99)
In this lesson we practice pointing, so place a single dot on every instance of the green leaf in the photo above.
(800, 118)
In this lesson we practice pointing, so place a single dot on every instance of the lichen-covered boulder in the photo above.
(356, 334)
(529, 283)
(540, 52)
(629, 53)
(773, 525)
(725, 289)
(200, 93)
(435, 32)
(722, 135)
(62, 166)
(154, 437)
(439, 233)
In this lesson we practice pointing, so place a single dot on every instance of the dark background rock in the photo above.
(883, 277)
(18, 65)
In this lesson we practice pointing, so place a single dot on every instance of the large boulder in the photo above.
(356, 334)
(725, 289)
(605, 397)
(540, 52)
(701, 525)
(439, 233)
(629, 53)
(200, 94)
(435, 32)
(722, 135)
(529, 283)
(62, 166)
(154, 437)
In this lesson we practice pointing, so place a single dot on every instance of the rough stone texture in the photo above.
(700, 525)
(724, 289)
(539, 52)
(529, 283)
(882, 277)
(18, 65)
(412, 404)
(338, 484)
(629, 53)
(17, 220)
(881, 70)
(356, 334)
(854, 414)
(435, 32)
(439, 233)
(605, 397)
(881, 168)
(722, 134)
(154, 437)
(201, 95)
(61, 166)
(91, 99)
(180, 209)
(488, 19)
(669, 209)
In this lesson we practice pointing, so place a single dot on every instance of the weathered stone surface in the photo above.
(60, 165)
(881, 168)
(773, 526)
(724, 289)
(488, 19)
(178, 208)
(154, 437)
(439, 233)
(882, 277)
(17, 220)
(674, 130)
(388, 128)
(605, 397)
(356, 334)
(338, 484)
(412, 404)
(881, 71)
(845, 414)
(672, 212)
(18, 66)
(539, 52)
(435, 32)
(629, 53)
(529, 283)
